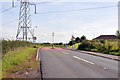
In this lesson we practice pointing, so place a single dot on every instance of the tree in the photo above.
(83, 37)
(71, 43)
(77, 40)
(86, 45)
(118, 34)
(60, 43)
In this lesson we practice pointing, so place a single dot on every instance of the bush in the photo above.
(115, 53)
(8, 45)
(94, 50)
(106, 51)
(71, 43)
(83, 37)
(102, 46)
(86, 45)
(102, 41)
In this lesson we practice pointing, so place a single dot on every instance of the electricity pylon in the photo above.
(24, 25)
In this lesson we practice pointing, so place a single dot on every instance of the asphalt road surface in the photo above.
(60, 63)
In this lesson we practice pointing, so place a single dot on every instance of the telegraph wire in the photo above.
(76, 10)
(42, 3)
(60, 11)
(8, 9)
(66, 11)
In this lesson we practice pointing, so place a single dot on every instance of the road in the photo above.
(61, 63)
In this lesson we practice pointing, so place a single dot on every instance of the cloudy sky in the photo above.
(88, 22)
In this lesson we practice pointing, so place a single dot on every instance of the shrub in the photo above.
(106, 51)
(102, 46)
(109, 47)
(102, 41)
(71, 43)
(118, 34)
(94, 50)
(86, 45)
(8, 45)
(83, 38)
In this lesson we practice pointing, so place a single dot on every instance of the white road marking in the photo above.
(105, 68)
(37, 56)
(83, 60)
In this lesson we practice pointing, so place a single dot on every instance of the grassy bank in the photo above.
(11, 45)
(75, 46)
(18, 60)
(102, 46)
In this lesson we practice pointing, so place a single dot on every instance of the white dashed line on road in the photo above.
(83, 60)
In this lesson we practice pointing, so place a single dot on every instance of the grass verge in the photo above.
(75, 46)
(18, 60)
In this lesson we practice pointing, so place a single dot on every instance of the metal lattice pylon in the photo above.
(24, 25)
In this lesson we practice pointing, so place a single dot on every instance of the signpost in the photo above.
(72, 39)
(53, 40)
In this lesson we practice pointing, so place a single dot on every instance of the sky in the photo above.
(91, 22)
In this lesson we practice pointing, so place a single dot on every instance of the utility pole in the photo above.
(53, 40)
(24, 25)
(12, 3)
(72, 39)
(34, 38)
(119, 15)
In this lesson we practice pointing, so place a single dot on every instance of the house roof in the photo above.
(106, 37)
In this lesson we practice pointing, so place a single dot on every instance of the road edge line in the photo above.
(38, 59)
(94, 54)
(83, 60)
(37, 56)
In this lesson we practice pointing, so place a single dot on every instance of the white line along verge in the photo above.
(83, 60)
(37, 56)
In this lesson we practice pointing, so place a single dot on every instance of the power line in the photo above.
(66, 11)
(8, 9)
(42, 3)
(76, 10)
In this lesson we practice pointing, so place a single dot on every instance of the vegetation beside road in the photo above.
(108, 46)
(18, 60)
(102, 46)
(75, 46)
(61, 45)
(11, 45)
